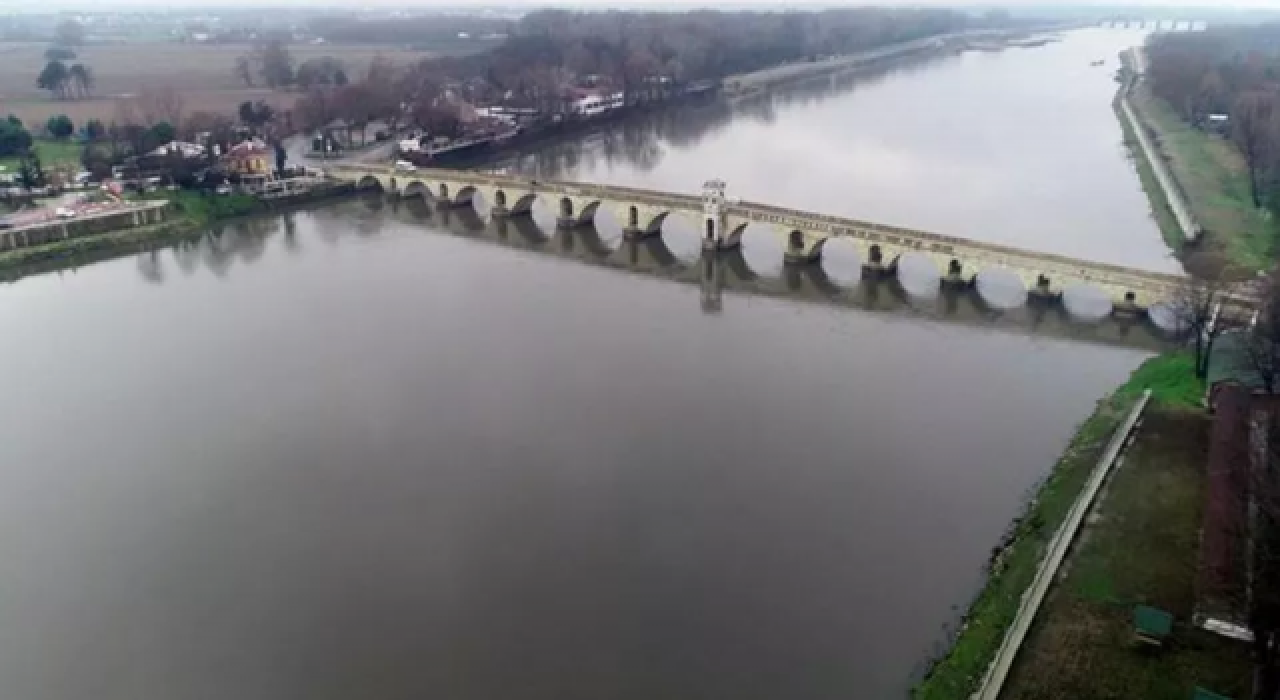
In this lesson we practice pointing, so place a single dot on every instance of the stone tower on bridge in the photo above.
(714, 215)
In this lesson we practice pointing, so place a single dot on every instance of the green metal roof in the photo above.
(1152, 622)
(1230, 362)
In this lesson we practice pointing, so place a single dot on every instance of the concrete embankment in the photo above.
(1022, 566)
(994, 680)
(1135, 63)
(124, 217)
(750, 83)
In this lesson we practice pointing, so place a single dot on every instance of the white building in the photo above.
(596, 104)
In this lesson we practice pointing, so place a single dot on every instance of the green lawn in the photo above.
(958, 674)
(1213, 176)
(1141, 547)
(52, 154)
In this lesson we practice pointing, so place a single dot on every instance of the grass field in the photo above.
(1215, 180)
(1141, 547)
(202, 73)
(52, 154)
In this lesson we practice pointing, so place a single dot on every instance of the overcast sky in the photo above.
(46, 5)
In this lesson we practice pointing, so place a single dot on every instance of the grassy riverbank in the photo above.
(1160, 209)
(1213, 177)
(958, 674)
(1141, 547)
(192, 212)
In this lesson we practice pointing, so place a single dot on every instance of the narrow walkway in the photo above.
(1172, 193)
(993, 683)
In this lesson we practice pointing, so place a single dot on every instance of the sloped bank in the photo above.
(1016, 559)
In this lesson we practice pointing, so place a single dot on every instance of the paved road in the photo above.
(298, 148)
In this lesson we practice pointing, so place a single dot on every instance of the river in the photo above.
(372, 451)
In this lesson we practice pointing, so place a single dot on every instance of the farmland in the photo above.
(202, 73)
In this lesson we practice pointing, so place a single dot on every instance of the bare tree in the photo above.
(244, 70)
(1198, 308)
(1251, 130)
(275, 63)
(163, 104)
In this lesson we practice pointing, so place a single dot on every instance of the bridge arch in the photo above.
(735, 234)
(1000, 287)
(417, 189)
(369, 182)
(588, 213)
(655, 224)
(524, 204)
(464, 194)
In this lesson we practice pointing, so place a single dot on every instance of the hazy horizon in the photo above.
(87, 5)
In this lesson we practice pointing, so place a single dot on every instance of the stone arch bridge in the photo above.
(722, 222)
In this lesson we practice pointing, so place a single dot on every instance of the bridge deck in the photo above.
(1159, 284)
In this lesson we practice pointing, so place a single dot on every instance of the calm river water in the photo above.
(365, 452)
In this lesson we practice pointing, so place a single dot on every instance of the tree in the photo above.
(275, 63)
(319, 72)
(160, 104)
(60, 127)
(81, 78)
(256, 115)
(282, 157)
(1253, 133)
(94, 130)
(69, 33)
(162, 132)
(315, 110)
(1198, 308)
(54, 78)
(30, 171)
(436, 120)
(59, 53)
(14, 138)
(95, 160)
(244, 70)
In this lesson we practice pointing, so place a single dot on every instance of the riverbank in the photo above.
(1161, 210)
(1211, 175)
(755, 82)
(194, 214)
(1016, 559)
(1178, 225)
(1141, 547)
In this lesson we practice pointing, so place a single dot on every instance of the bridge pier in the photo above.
(635, 233)
(570, 222)
(799, 257)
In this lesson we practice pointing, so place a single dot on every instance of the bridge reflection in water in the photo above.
(716, 273)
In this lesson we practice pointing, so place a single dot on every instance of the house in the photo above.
(249, 162)
(248, 158)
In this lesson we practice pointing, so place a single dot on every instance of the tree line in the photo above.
(646, 55)
(1232, 71)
